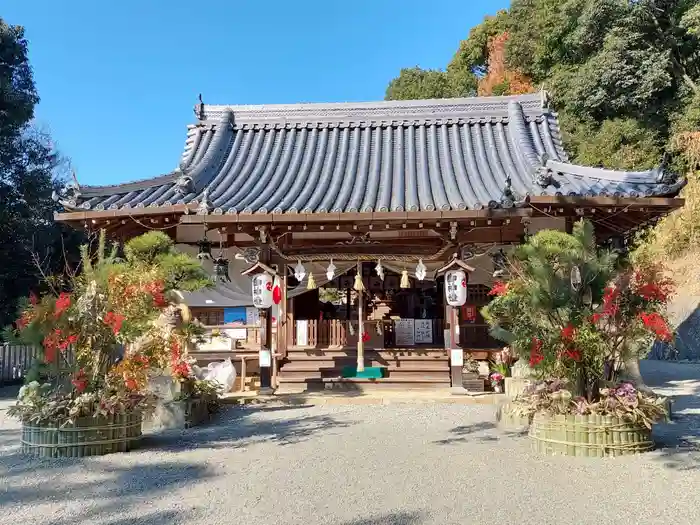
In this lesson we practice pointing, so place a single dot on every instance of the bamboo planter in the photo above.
(509, 420)
(588, 436)
(87, 436)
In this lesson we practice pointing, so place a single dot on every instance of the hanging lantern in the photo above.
(421, 270)
(330, 271)
(455, 287)
(262, 290)
(359, 285)
(575, 278)
(276, 291)
(221, 269)
(299, 271)
(311, 284)
(379, 269)
(204, 250)
(405, 283)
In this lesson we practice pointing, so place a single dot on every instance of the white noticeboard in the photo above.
(404, 332)
(252, 317)
(265, 357)
(456, 357)
(423, 331)
(237, 333)
(303, 333)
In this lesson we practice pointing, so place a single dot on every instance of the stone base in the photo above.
(180, 414)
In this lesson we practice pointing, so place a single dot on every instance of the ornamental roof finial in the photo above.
(199, 108)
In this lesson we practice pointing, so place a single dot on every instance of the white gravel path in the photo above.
(358, 465)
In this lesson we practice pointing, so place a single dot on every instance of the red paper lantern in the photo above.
(276, 291)
(365, 337)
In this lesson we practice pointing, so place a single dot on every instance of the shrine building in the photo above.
(357, 209)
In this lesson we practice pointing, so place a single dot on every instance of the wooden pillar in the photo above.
(282, 320)
(455, 367)
(360, 325)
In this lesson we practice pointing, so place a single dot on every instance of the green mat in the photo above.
(370, 372)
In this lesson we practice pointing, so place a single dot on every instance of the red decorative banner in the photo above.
(469, 313)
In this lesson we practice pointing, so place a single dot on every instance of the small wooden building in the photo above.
(407, 184)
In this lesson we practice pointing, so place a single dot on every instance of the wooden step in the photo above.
(392, 374)
(384, 380)
(325, 365)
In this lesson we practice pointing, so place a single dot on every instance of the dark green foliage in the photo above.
(623, 74)
(30, 242)
(181, 271)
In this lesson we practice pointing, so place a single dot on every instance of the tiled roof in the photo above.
(424, 155)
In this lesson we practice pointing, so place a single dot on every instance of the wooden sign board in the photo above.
(423, 331)
(404, 332)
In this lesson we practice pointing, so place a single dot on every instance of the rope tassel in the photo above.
(359, 285)
(311, 284)
(404, 280)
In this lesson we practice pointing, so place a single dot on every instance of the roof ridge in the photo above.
(471, 107)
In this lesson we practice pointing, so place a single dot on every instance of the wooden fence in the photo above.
(15, 361)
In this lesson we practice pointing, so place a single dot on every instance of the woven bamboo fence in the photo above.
(509, 420)
(588, 436)
(87, 436)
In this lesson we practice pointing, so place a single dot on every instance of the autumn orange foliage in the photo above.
(499, 80)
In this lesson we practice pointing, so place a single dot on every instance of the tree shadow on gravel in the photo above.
(239, 427)
(482, 432)
(111, 489)
(678, 440)
(395, 518)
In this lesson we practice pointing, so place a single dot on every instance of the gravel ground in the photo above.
(360, 465)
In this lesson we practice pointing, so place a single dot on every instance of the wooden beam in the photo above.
(597, 202)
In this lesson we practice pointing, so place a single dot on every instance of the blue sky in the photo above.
(118, 80)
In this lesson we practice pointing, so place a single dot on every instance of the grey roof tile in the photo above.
(450, 154)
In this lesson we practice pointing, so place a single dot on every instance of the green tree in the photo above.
(30, 169)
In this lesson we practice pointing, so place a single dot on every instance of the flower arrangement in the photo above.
(92, 332)
(622, 400)
(496, 379)
(577, 313)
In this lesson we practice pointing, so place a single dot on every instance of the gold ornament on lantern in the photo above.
(311, 284)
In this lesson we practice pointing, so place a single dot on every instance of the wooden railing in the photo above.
(334, 333)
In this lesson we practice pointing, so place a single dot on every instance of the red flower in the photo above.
(157, 291)
(596, 317)
(131, 384)
(51, 344)
(567, 333)
(536, 356)
(70, 340)
(657, 324)
(141, 359)
(114, 321)
(651, 289)
(610, 305)
(499, 288)
(62, 304)
(573, 354)
(23, 321)
(33, 299)
(181, 369)
(79, 381)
